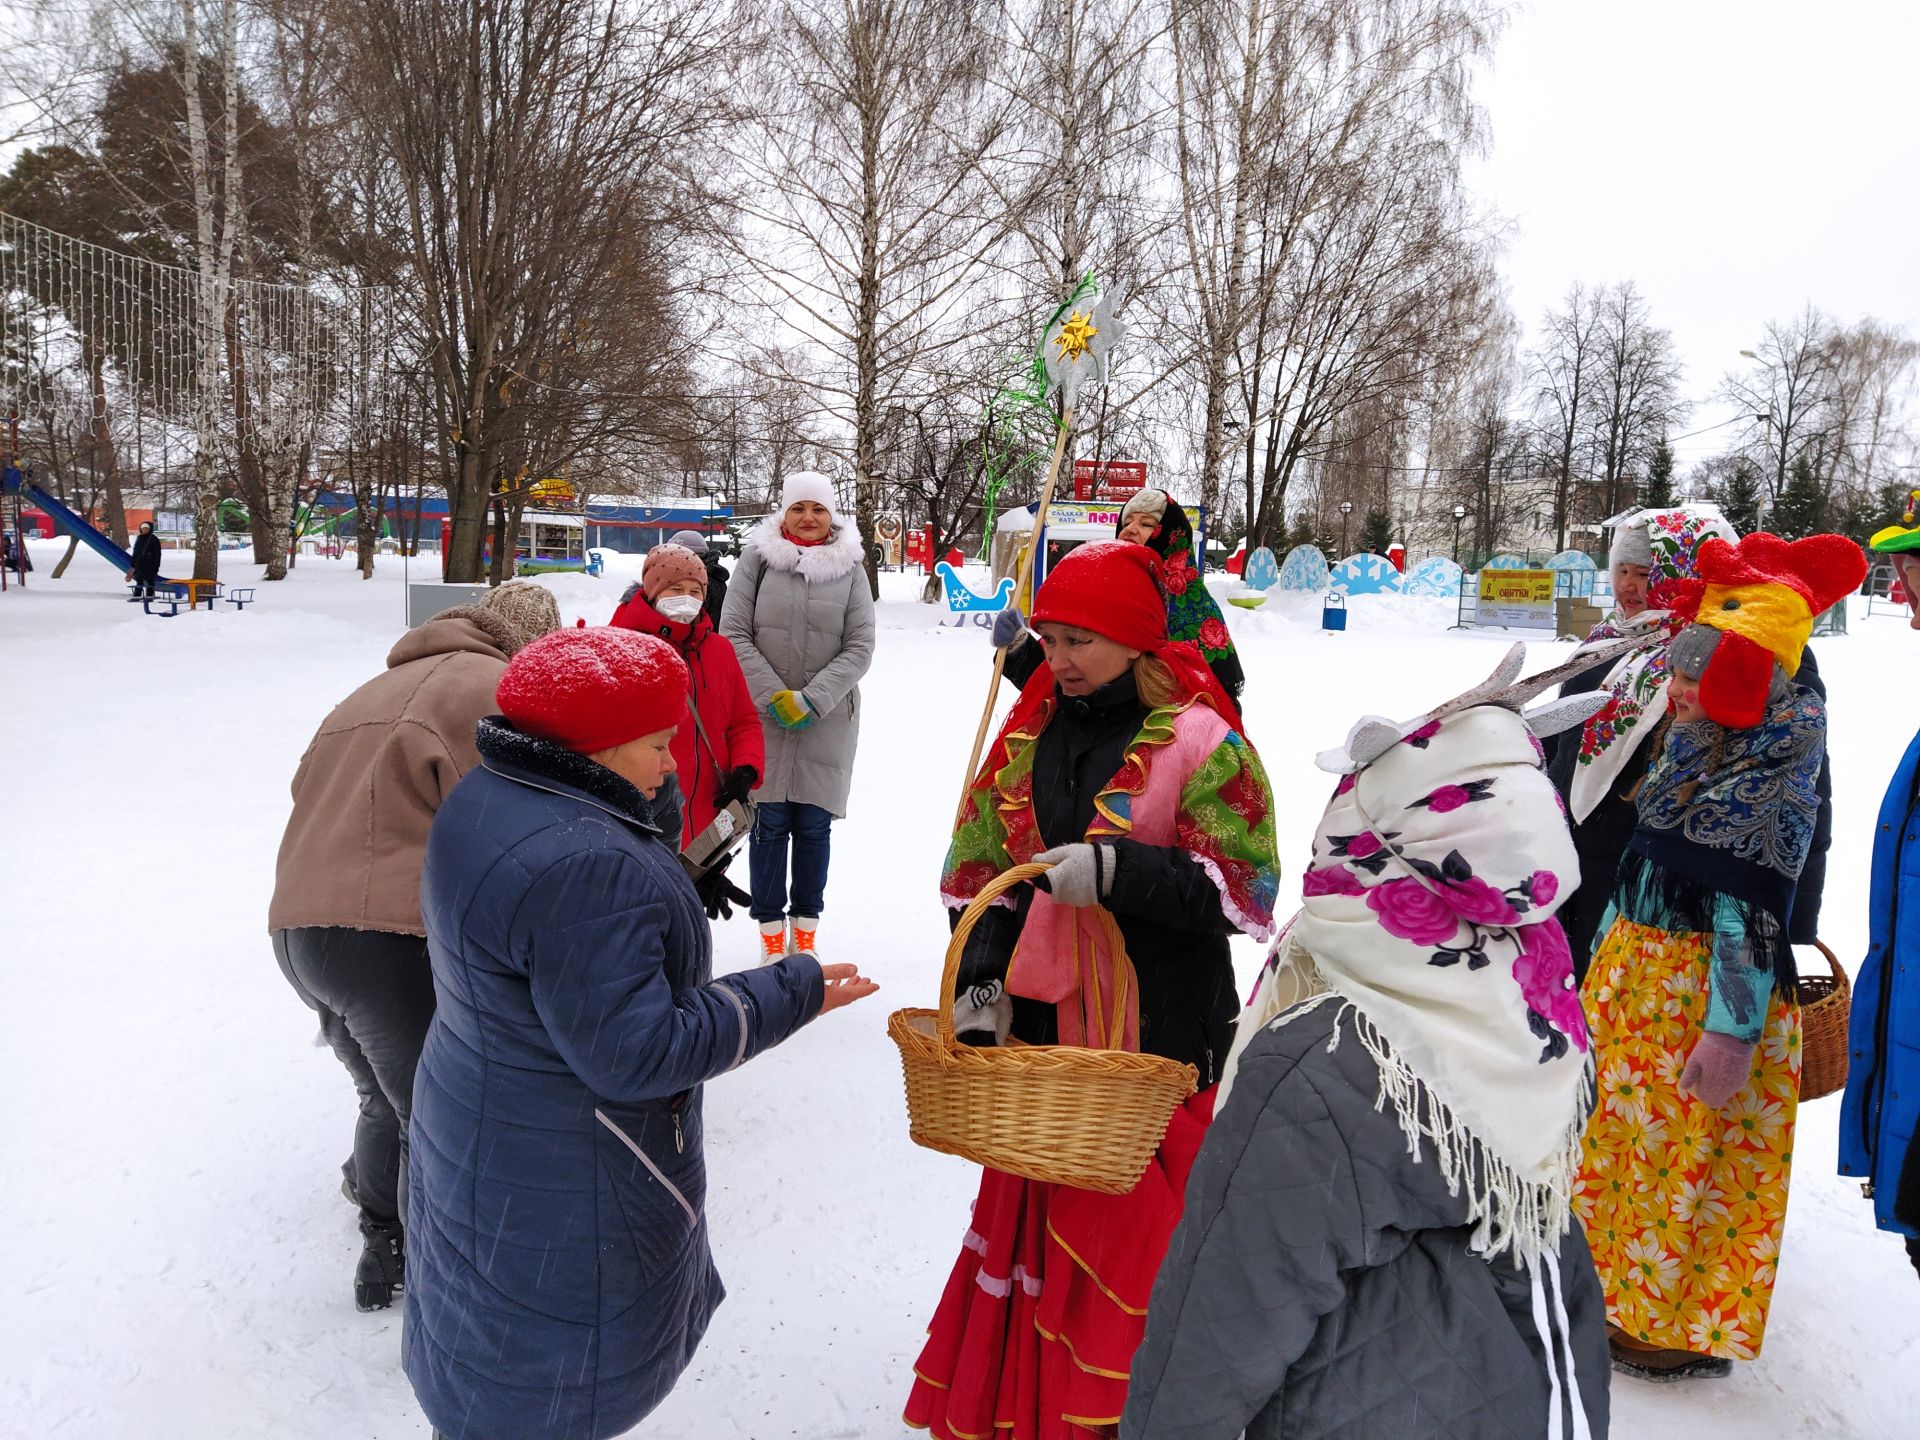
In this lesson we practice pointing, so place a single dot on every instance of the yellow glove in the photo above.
(790, 710)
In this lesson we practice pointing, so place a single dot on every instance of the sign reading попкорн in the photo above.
(1516, 599)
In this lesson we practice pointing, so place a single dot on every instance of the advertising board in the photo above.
(1516, 599)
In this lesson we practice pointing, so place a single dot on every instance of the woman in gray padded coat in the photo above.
(1378, 1240)
(800, 616)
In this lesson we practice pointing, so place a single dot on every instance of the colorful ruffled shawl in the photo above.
(1223, 817)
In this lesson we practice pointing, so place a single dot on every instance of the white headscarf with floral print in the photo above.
(1436, 871)
(1637, 685)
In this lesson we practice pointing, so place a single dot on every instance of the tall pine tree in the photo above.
(1801, 509)
(1740, 499)
(1377, 534)
(1303, 532)
(1657, 493)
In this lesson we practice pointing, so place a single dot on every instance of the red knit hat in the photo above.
(594, 689)
(1111, 588)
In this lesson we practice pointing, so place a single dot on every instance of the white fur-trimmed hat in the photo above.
(808, 485)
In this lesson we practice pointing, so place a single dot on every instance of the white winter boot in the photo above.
(773, 941)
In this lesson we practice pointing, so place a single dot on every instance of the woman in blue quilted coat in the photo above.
(1880, 1116)
(558, 1276)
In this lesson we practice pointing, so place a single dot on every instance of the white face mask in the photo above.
(681, 609)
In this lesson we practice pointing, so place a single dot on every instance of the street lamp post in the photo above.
(1459, 514)
(1346, 510)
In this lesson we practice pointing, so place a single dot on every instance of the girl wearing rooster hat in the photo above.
(1691, 993)
(1122, 765)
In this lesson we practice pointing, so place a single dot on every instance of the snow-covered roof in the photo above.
(1016, 521)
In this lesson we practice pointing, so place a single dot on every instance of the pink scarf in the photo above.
(1070, 956)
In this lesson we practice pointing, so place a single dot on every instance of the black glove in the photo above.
(736, 784)
(717, 895)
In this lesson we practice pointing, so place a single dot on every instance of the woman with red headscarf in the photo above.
(1123, 767)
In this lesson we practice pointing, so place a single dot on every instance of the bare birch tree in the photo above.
(1873, 380)
(869, 209)
(1372, 299)
(1564, 373)
(216, 213)
(1276, 106)
(1078, 188)
(1783, 395)
(536, 149)
(1634, 398)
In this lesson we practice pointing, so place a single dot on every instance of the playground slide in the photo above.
(74, 525)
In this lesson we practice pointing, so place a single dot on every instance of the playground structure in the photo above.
(17, 486)
(137, 358)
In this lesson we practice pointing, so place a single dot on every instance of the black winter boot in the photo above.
(382, 1272)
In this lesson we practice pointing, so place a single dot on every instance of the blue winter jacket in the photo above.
(558, 1276)
(1882, 1106)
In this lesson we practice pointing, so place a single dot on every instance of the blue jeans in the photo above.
(810, 829)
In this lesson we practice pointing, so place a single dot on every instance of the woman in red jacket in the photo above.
(720, 754)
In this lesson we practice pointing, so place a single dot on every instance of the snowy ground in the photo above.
(176, 1251)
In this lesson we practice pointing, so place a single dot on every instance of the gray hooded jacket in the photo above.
(1320, 1284)
(801, 619)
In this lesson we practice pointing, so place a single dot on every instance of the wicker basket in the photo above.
(1061, 1113)
(1824, 1005)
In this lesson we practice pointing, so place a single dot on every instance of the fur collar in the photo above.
(814, 563)
(547, 766)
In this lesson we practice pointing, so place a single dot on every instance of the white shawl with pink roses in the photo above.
(1428, 908)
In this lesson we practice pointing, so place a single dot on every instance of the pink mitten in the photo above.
(1718, 1069)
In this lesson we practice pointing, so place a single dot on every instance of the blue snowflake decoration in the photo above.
(1509, 562)
(1577, 573)
(1366, 574)
(1262, 570)
(1436, 575)
(1305, 570)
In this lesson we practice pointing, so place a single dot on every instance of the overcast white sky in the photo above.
(1736, 160)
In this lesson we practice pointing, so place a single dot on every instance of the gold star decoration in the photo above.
(1075, 335)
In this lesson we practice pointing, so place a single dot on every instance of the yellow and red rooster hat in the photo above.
(1762, 594)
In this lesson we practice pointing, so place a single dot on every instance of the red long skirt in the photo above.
(1035, 1333)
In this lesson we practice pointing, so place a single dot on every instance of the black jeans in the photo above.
(1913, 1252)
(374, 995)
(143, 586)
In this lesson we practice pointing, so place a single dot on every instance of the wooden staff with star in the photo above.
(1073, 349)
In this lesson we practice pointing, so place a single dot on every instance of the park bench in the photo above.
(172, 599)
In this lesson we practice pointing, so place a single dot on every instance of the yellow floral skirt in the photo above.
(1683, 1205)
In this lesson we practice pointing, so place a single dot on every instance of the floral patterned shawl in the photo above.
(1637, 686)
(1192, 613)
(1429, 910)
(1731, 813)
